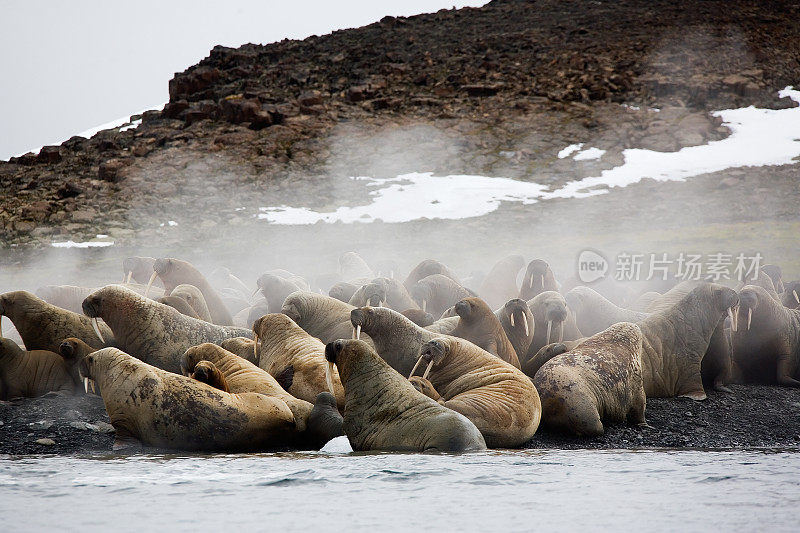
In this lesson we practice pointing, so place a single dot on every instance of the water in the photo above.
(503, 490)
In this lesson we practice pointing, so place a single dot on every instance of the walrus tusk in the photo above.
(91, 385)
(525, 320)
(391, 274)
(796, 298)
(427, 370)
(329, 377)
(549, 327)
(560, 331)
(150, 283)
(419, 360)
(732, 316)
(512, 320)
(256, 292)
(255, 347)
(542, 281)
(1, 326)
(358, 332)
(530, 285)
(96, 328)
(128, 279)
(749, 317)
(424, 305)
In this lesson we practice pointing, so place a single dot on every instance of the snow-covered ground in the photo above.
(759, 137)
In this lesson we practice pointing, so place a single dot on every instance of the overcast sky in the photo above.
(66, 67)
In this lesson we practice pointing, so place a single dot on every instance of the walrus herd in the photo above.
(421, 363)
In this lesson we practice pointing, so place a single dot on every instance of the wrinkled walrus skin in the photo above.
(321, 316)
(498, 398)
(384, 412)
(598, 381)
(174, 272)
(31, 374)
(482, 328)
(153, 332)
(153, 407)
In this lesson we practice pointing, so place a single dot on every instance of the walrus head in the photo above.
(748, 302)
(361, 318)
(342, 291)
(421, 293)
(471, 309)
(776, 274)
(375, 294)
(517, 311)
(791, 294)
(208, 373)
(342, 353)
(419, 317)
(9, 348)
(432, 352)
(538, 278)
(137, 268)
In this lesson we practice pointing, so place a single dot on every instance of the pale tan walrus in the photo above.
(31, 374)
(498, 398)
(598, 381)
(152, 407)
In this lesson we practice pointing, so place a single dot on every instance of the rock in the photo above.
(151, 116)
(46, 442)
(103, 427)
(72, 414)
(481, 89)
(69, 190)
(109, 170)
(237, 110)
(175, 109)
(84, 215)
(310, 98)
(188, 84)
(41, 425)
(357, 93)
(49, 154)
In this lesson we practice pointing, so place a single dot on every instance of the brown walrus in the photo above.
(241, 346)
(426, 268)
(73, 350)
(67, 297)
(481, 327)
(174, 272)
(517, 321)
(150, 406)
(498, 398)
(43, 326)
(208, 373)
(438, 292)
(373, 294)
(538, 278)
(791, 295)
(766, 339)
(598, 381)
(418, 317)
(153, 332)
(139, 269)
(276, 288)
(545, 353)
(384, 412)
(321, 316)
(553, 322)
(283, 345)
(343, 291)
(31, 374)
(677, 338)
(194, 297)
(243, 376)
(500, 284)
(180, 305)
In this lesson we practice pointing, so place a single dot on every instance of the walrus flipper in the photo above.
(285, 377)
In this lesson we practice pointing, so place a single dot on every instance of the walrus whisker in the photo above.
(96, 328)
(419, 360)
(329, 377)
(549, 328)
(427, 370)
(150, 283)
(749, 317)
(512, 320)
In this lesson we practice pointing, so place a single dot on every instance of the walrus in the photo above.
(373, 294)
(437, 292)
(599, 381)
(676, 339)
(444, 326)
(343, 291)
(388, 292)
(352, 266)
(67, 297)
(139, 269)
(180, 305)
(208, 373)
(275, 289)
(643, 301)
(426, 268)
(500, 284)
(552, 321)
(153, 332)
(32, 373)
(243, 376)
(243, 347)
(174, 272)
(594, 313)
(767, 277)
(194, 297)
(517, 321)
(545, 353)
(223, 278)
(716, 366)
(498, 398)
(481, 327)
(283, 345)
(418, 317)
(396, 339)
(150, 406)
(72, 350)
(538, 278)
(324, 420)
(766, 339)
(790, 298)
(43, 326)
(321, 316)
(384, 412)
